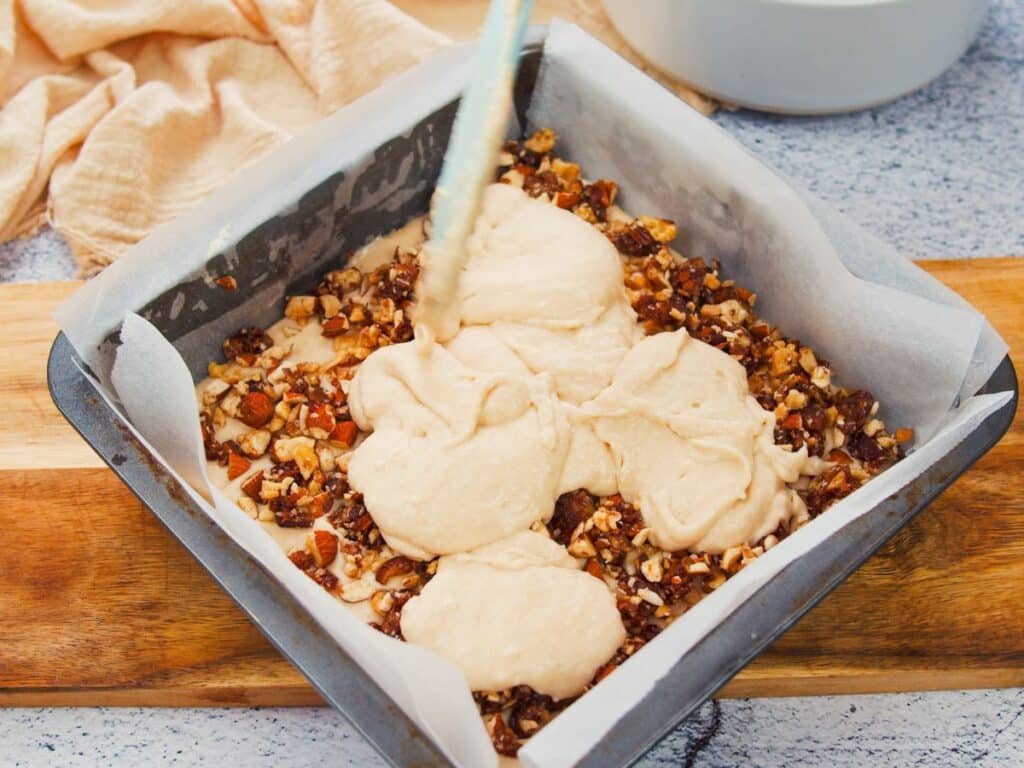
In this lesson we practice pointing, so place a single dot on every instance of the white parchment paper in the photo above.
(156, 391)
(882, 322)
(884, 325)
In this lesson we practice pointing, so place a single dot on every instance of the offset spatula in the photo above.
(468, 166)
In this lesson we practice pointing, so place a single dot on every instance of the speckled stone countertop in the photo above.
(940, 174)
(936, 730)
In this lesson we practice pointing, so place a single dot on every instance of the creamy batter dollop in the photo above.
(692, 448)
(544, 322)
(517, 612)
(459, 457)
(550, 288)
(546, 331)
(531, 262)
(547, 385)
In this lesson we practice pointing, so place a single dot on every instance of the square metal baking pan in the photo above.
(691, 680)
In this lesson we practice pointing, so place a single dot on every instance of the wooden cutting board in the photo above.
(99, 605)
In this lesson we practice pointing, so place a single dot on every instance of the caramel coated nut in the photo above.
(300, 308)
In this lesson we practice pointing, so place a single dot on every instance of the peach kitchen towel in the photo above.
(116, 115)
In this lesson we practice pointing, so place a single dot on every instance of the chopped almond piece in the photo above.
(251, 487)
(321, 416)
(344, 432)
(323, 546)
(320, 504)
(287, 448)
(238, 465)
(256, 409)
(335, 326)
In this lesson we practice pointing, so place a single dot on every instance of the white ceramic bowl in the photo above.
(802, 56)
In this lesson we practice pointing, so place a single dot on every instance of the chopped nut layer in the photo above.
(296, 417)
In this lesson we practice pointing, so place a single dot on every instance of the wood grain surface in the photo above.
(462, 19)
(99, 605)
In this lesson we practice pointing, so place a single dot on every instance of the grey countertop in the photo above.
(935, 730)
(940, 174)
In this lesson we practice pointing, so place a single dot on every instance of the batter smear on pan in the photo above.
(612, 433)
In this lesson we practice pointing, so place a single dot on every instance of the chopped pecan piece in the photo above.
(653, 310)
(863, 447)
(570, 196)
(813, 418)
(855, 408)
(289, 515)
(662, 230)
(530, 714)
(301, 559)
(833, 484)
(321, 504)
(599, 196)
(502, 737)
(793, 421)
(324, 578)
(632, 239)
(391, 624)
(522, 154)
(543, 183)
(396, 566)
(352, 517)
(335, 326)
(571, 509)
(249, 342)
(211, 446)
